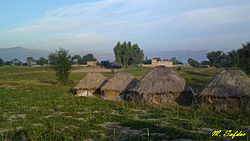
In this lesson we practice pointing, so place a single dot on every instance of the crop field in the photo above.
(33, 106)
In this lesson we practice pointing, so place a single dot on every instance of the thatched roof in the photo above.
(91, 81)
(228, 83)
(161, 80)
(121, 81)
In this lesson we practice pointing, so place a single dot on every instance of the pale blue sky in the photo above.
(97, 25)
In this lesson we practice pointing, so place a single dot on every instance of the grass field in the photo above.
(34, 106)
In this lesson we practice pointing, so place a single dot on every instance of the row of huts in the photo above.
(162, 85)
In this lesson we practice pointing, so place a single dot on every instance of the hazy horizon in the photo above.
(156, 25)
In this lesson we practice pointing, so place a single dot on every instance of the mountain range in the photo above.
(22, 53)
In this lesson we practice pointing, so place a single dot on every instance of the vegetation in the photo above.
(83, 60)
(42, 61)
(128, 55)
(147, 61)
(244, 57)
(33, 106)
(175, 61)
(192, 62)
(30, 61)
(234, 59)
(216, 58)
(1, 62)
(62, 64)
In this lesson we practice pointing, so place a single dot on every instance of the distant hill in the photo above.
(21, 53)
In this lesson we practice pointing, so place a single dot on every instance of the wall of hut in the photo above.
(227, 103)
(89, 91)
(185, 98)
(111, 94)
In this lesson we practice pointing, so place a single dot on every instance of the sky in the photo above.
(97, 25)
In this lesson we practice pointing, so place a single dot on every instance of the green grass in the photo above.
(34, 106)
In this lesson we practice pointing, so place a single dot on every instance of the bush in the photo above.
(62, 64)
(1, 62)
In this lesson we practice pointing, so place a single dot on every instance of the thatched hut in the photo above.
(163, 85)
(118, 86)
(90, 84)
(229, 89)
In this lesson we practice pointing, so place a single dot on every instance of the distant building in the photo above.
(155, 62)
(92, 63)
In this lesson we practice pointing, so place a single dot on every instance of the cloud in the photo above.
(216, 16)
(102, 23)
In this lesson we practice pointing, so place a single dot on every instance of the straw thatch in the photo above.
(163, 85)
(91, 83)
(119, 84)
(229, 89)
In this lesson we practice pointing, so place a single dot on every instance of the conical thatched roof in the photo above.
(91, 81)
(228, 83)
(121, 82)
(161, 80)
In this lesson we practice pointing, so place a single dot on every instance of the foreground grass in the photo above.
(33, 106)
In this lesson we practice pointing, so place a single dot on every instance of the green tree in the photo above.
(244, 57)
(76, 59)
(204, 63)
(1, 62)
(16, 62)
(62, 64)
(42, 61)
(88, 57)
(216, 58)
(128, 54)
(52, 59)
(30, 61)
(147, 61)
(192, 62)
(175, 61)
(8, 63)
(231, 60)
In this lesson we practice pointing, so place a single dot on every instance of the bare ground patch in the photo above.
(91, 70)
(15, 117)
(115, 131)
(8, 86)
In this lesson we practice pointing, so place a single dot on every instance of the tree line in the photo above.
(130, 55)
(30, 61)
(239, 59)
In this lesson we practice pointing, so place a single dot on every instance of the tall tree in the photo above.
(128, 54)
(216, 58)
(244, 57)
(62, 64)
(231, 59)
